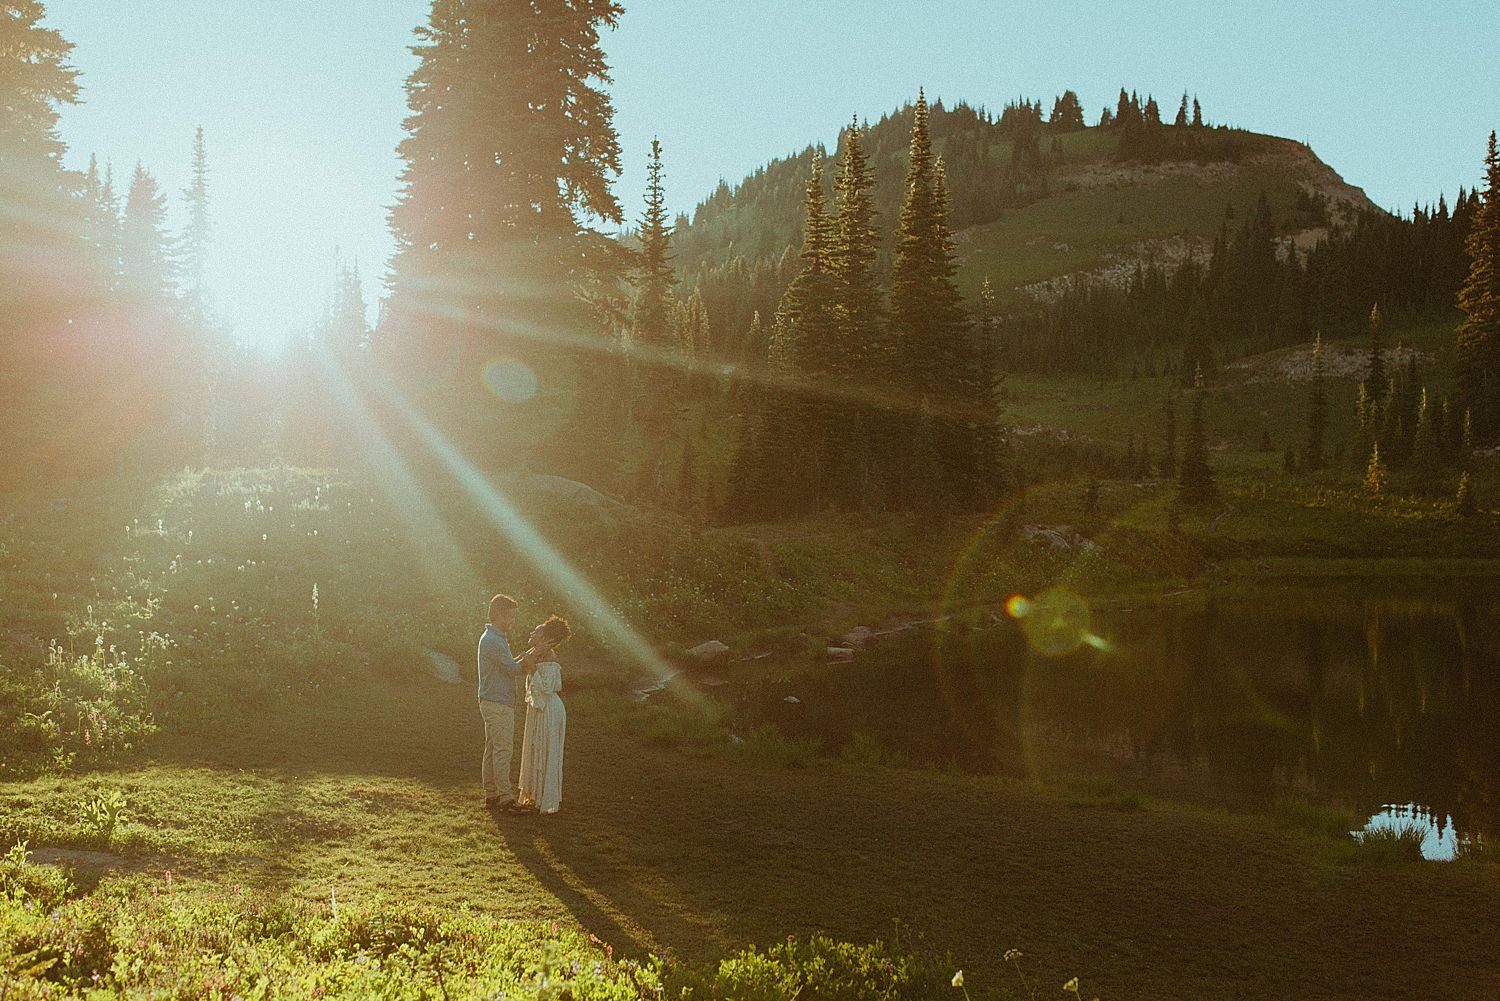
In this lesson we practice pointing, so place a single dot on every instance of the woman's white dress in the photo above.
(542, 744)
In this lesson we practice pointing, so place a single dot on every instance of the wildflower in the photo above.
(958, 979)
(1071, 985)
(609, 951)
(1011, 955)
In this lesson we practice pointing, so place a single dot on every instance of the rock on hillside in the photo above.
(1344, 204)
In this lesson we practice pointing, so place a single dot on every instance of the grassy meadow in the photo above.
(240, 747)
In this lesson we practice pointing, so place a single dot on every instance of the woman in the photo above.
(546, 720)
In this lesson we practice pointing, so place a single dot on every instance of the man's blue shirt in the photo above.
(498, 670)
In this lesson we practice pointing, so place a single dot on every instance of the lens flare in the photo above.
(510, 380)
(1055, 622)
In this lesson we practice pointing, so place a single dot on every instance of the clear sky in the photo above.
(302, 100)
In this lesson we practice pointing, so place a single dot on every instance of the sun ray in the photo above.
(650, 357)
(533, 547)
(442, 558)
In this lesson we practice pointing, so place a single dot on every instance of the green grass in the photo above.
(304, 756)
(1078, 229)
(1400, 844)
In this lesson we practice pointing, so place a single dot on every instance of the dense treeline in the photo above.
(802, 345)
(101, 357)
(1253, 291)
(859, 405)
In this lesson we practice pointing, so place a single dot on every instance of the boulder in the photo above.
(1064, 537)
(858, 637)
(840, 653)
(712, 652)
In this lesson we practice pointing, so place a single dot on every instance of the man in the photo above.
(498, 672)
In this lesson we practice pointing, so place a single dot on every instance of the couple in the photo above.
(546, 718)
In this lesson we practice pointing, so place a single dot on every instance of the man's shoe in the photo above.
(516, 806)
(491, 802)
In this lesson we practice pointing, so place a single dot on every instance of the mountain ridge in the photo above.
(1032, 202)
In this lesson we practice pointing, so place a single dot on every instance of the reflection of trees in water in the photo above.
(1373, 707)
(946, 696)
(1477, 754)
(1360, 704)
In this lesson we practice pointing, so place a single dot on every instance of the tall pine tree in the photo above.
(149, 277)
(939, 377)
(1195, 483)
(510, 150)
(1315, 456)
(40, 253)
(1479, 332)
(195, 242)
(654, 353)
(863, 350)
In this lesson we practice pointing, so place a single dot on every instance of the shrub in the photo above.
(23, 881)
(1298, 814)
(1395, 845)
(823, 968)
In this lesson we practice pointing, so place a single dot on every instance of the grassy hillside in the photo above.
(1083, 208)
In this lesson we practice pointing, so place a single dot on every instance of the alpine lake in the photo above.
(1386, 707)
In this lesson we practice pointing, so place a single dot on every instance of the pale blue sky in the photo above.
(302, 100)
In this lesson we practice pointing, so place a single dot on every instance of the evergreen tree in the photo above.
(864, 350)
(1181, 121)
(655, 354)
(1067, 113)
(1479, 332)
(1364, 424)
(101, 232)
(1376, 475)
(1197, 114)
(812, 298)
(39, 249)
(149, 272)
(194, 252)
(1195, 484)
(347, 329)
(853, 254)
(1317, 412)
(1169, 443)
(1197, 353)
(691, 335)
(1152, 138)
(784, 458)
(1425, 456)
(1375, 376)
(1464, 502)
(510, 148)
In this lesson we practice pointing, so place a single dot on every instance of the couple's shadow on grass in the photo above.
(546, 846)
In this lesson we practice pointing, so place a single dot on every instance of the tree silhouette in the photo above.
(1479, 332)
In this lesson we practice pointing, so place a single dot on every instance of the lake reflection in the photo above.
(1354, 703)
(1439, 836)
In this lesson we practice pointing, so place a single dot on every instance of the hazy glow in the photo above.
(592, 610)
(510, 380)
(443, 561)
